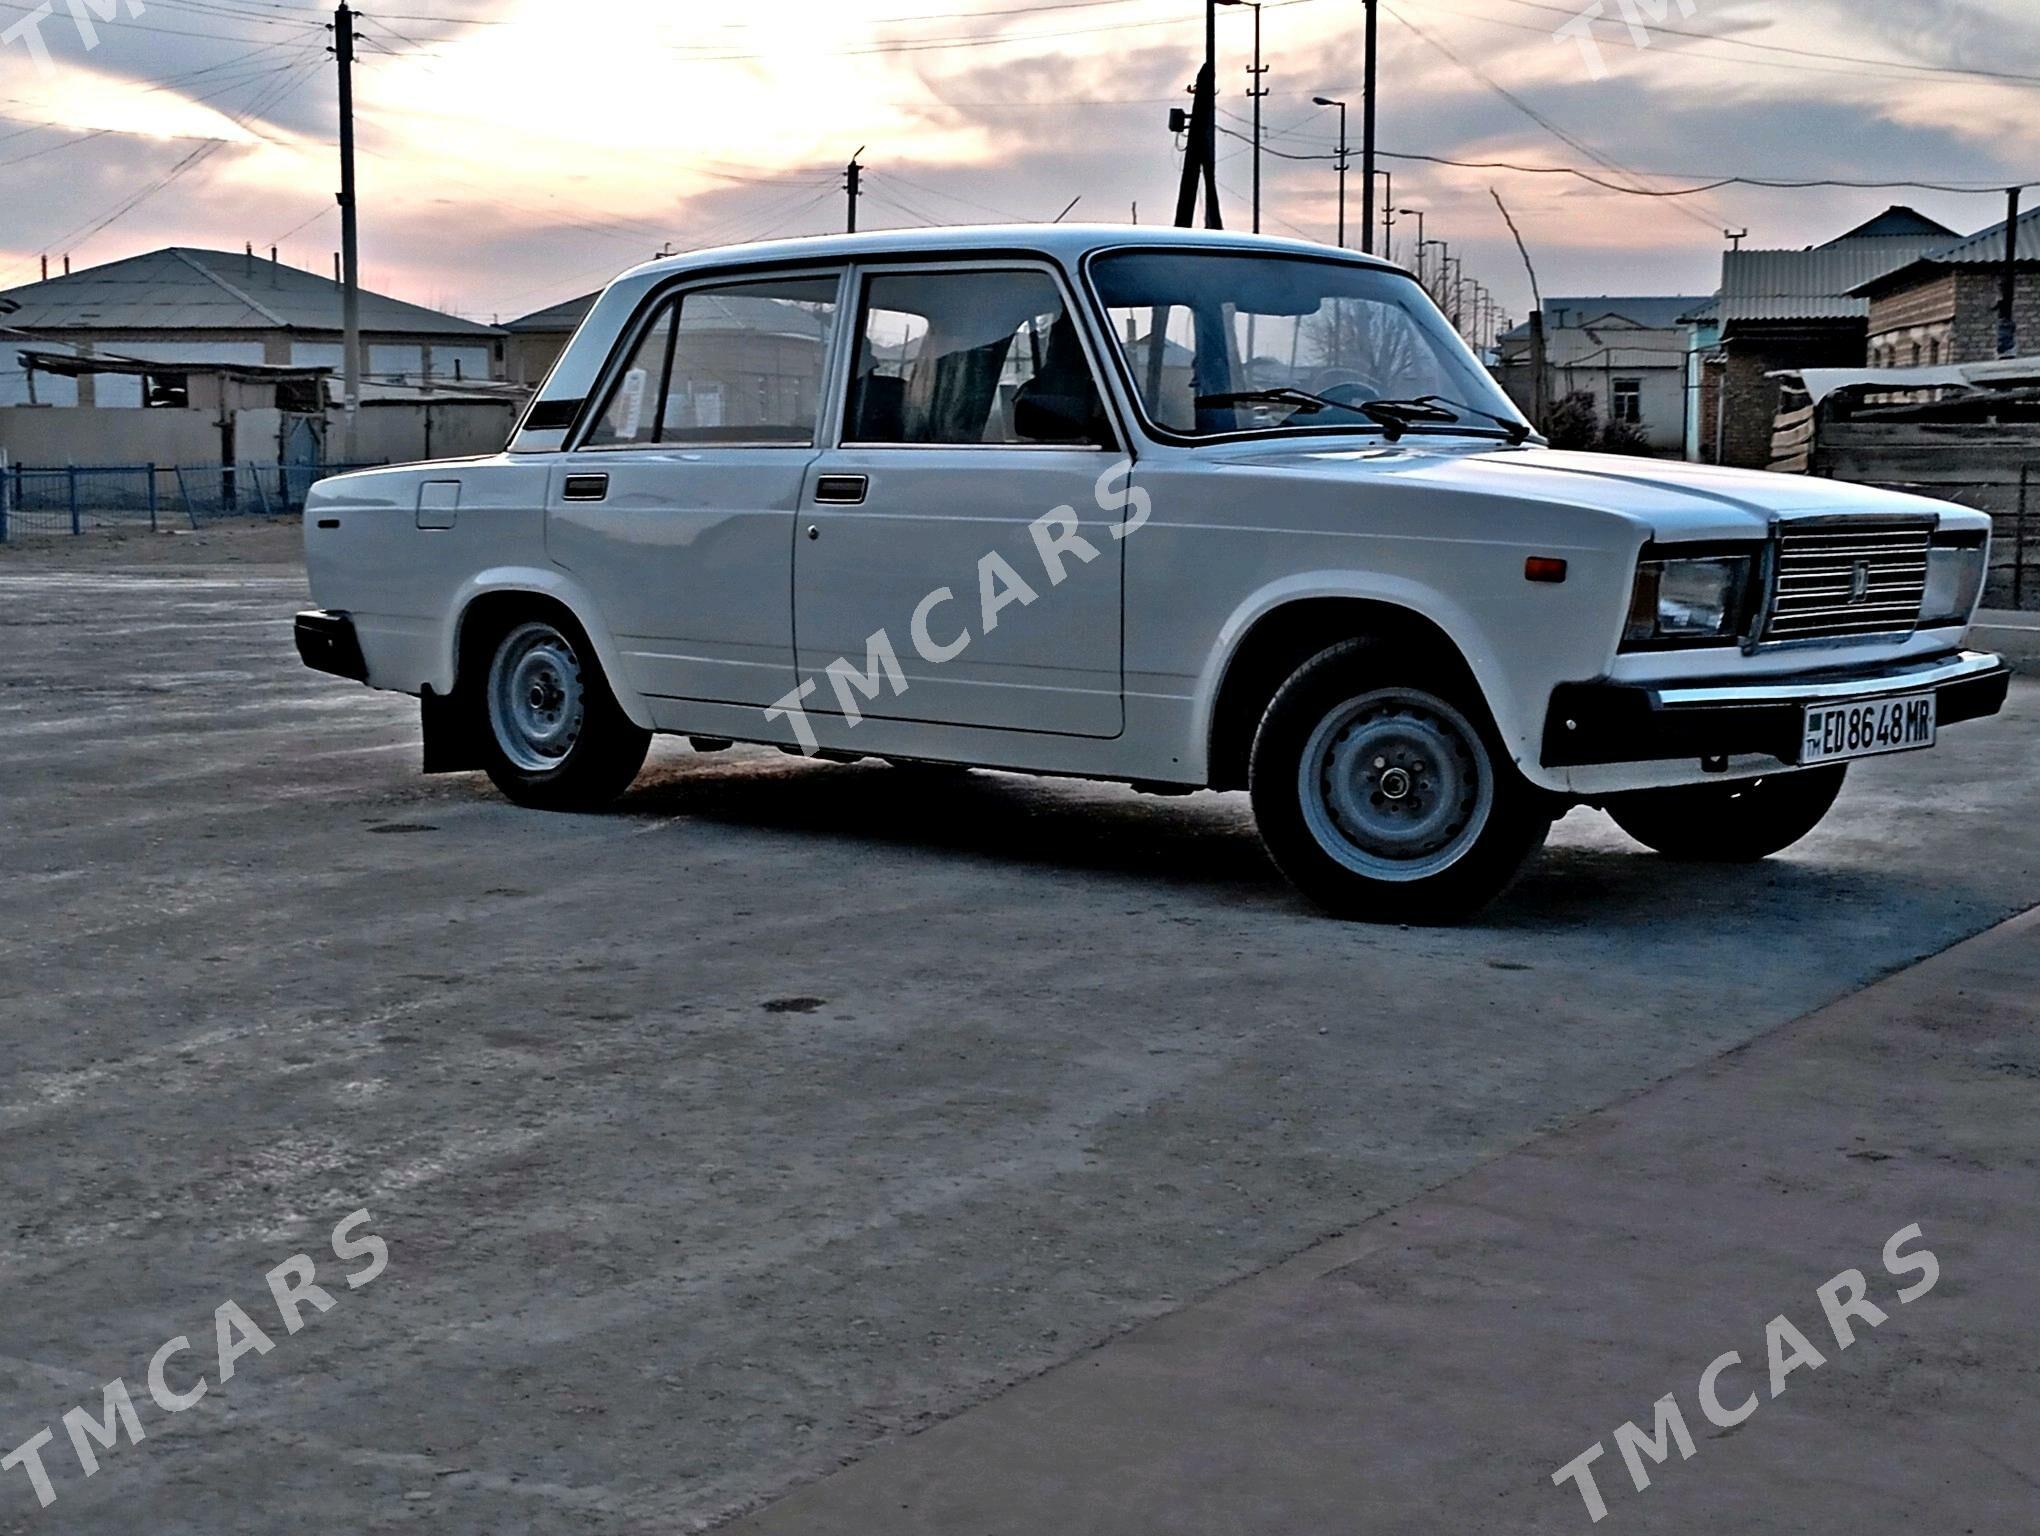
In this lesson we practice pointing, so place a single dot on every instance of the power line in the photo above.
(143, 26)
(291, 75)
(1704, 183)
(1822, 55)
(1004, 213)
(1531, 112)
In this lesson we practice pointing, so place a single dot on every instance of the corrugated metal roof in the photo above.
(710, 312)
(556, 319)
(1988, 248)
(185, 289)
(1900, 221)
(1652, 312)
(1819, 284)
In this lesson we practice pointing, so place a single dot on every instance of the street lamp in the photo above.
(1326, 101)
(1418, 214)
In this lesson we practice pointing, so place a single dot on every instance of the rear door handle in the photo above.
(585, 488)
(840, 490)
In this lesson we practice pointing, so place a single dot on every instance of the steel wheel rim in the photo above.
(537, 703)
(1396, 785)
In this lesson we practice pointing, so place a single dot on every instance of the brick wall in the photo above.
(1750, 398)
(1930, 303)
(1976, 320)
(1711, 371)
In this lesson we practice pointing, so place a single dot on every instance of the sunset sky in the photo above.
(516, 152)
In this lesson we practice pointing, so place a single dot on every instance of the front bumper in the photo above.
(1597, 723)
(326, 642)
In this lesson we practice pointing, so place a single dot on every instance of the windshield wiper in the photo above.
(1518, 432)
(1306, 403)
(1393, 421)
(1394, 417)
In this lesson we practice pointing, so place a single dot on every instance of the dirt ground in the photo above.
(787, 1110)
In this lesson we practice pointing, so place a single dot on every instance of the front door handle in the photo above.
(840, 490)
(585, 488)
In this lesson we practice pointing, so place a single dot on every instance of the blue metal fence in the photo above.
(81, 497)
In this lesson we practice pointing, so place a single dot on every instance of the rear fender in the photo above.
(545, 582)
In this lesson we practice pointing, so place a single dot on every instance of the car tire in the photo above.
(554, 736)
(1735, 823)
(1381, 789)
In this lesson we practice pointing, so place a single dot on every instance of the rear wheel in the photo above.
(557, 739)
(1382, 794)
(1735, 823)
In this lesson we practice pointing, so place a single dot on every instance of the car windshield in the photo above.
(1220, 342)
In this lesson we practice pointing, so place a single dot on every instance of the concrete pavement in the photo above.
(2013, 635)
(1429, 1371)
(784, 1111)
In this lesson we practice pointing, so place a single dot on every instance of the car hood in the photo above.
(1674, 501)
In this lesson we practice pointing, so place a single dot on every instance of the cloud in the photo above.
(508, 165)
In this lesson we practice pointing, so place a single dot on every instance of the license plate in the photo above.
(1838, 731)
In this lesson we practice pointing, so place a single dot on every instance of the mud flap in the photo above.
(453, 733)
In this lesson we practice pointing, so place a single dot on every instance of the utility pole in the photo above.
(2008, 296)
(1366, 133)
(1436, 287)
(1200, 160)
(1257, 69)
(1539, 380)
(350, 234)
(853, 177)
(1326, 101)
(1418, 215)
(1388, 215)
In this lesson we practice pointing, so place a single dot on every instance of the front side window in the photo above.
(971, 358)
(1218, 342)
(737, 364)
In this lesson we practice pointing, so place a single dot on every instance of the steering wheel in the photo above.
(1352, 391)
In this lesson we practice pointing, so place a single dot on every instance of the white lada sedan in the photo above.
(1189, 510)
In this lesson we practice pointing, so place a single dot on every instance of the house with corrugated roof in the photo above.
(1941, 308)
(1625, 352)
(212, 360)
(184, 305)
(536, 340)
(1794, 309)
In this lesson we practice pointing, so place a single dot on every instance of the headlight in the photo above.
(1955, 575)
(1686, 602)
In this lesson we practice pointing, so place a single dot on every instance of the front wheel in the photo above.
(1735, 823)
(557, 738)
(1382, 794)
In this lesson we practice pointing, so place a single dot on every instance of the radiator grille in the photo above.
(1834, 583)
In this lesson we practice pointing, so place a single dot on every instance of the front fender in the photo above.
(563, 589)
(1515, 684)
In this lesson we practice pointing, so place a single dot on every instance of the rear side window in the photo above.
(740, 364)
(971, 357)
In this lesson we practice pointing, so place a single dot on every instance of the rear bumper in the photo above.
(1599, 723)
(327, 643)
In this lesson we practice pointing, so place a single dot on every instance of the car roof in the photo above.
(1064, 242)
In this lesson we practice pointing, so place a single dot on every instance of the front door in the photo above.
(676, 510)
(956, 529)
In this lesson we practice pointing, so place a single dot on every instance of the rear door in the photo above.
(972, 410)
(677, 507)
